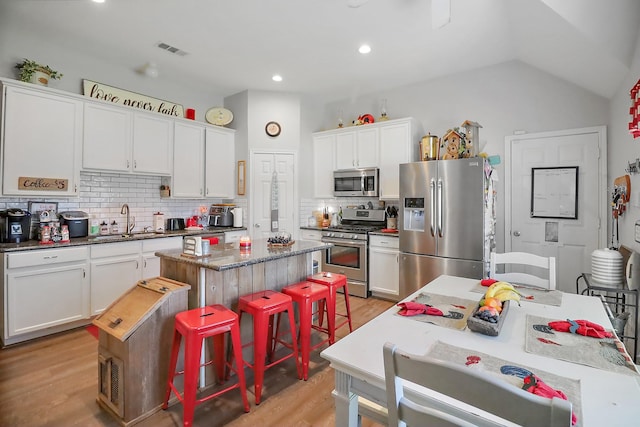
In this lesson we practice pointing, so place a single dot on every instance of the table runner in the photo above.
(601, 353)
(459, 308)
(538, 296)
(484, 362)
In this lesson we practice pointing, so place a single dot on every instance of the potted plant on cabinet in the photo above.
(32, 72)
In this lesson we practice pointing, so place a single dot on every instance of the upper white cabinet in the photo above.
(220, 163)
(188, 161)
(384, 145)
(152, 144)
(324, 154)
(42, 142)
(107, 138)
(119, 139)
(398, 144)
(357, 149)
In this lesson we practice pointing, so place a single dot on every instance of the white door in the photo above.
(571, 241)
(263, 166)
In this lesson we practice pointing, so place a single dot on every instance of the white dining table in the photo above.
(607, 398)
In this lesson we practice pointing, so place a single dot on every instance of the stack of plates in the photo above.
(607, 266)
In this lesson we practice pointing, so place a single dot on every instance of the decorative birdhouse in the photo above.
(450, 146)
(471, 132)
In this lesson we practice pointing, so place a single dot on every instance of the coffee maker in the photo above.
(15, 225)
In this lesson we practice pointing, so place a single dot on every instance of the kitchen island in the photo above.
(229, 272)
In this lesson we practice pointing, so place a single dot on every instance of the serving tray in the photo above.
(487, 328)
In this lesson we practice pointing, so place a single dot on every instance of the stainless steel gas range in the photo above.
(350, 252)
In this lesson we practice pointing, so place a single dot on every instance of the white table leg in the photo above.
(346, 402)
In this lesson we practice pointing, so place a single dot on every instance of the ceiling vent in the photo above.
(172, 49)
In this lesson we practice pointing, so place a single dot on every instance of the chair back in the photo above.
(463, 385)
(527, 262)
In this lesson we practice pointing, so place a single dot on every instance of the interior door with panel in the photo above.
(263, 180)
(570, 240)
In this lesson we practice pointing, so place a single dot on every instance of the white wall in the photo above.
(503, 98)
(624, 149)
(18, 42)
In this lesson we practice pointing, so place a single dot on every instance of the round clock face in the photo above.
(272, 129)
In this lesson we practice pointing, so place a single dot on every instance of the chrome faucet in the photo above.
(125, 211)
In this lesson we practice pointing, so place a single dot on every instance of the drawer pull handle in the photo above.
(51, 257)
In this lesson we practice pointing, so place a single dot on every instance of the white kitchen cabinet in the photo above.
(107, 137)
(399, 142)
(152, 144)
(384, 275)
(357, 148)
(43, 289)
(120, 139)
(220, 163)
(324, 149)
(233, 237)
(188, 161)
(316, 236)
(115, 267)
(150, 262)
(42, 142)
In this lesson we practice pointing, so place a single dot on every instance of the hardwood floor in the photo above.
(53, 382)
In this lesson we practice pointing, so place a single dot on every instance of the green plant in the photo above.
(28, 67)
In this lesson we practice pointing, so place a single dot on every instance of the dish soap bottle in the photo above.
(104, 228)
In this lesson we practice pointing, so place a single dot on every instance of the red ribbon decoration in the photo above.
(411, 308)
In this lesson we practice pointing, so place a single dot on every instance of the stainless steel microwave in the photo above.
(356, 182)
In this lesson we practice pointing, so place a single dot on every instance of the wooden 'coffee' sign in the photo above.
(118, 96)
(29, 183)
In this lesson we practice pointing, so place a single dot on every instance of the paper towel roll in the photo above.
(237, 217)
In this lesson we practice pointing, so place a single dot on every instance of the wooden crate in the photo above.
(135, 337)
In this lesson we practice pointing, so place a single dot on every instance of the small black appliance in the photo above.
(15, 225)
(77, 221)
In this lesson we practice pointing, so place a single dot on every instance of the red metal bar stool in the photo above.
(263, 306)
(333, 281)
(195, 326)
(304, 294)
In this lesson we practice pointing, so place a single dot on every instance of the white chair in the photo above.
(532, 262)
(465, 385)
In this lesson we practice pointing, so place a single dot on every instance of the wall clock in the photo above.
(272, 129)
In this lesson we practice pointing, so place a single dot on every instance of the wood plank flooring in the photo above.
(53, 382)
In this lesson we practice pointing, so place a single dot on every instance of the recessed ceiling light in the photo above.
(276, 78)
(364, 49)
(98, 1)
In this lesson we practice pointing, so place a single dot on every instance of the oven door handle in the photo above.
(342, 242)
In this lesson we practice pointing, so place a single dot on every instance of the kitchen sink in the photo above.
(125, 236)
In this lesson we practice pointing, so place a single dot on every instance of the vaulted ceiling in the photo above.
(233, 45)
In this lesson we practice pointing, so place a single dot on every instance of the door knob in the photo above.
(516, 233)
(256, 225)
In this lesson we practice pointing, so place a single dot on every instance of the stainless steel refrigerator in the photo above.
(446, 222)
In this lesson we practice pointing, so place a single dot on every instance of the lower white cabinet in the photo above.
(150, 262)
(43, 289)
(383, 266)
(115, 267)
(316, 236)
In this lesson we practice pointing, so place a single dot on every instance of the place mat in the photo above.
(602, 353)
(460, 309)
(538, 296)
(494, 366)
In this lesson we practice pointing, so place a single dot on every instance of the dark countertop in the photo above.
(93, 240)
(225, 258)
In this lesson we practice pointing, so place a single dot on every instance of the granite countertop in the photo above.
(112, 238)
(226, 258)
